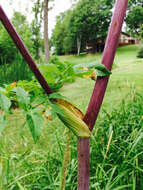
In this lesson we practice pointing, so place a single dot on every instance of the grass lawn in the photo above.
(38, 167)
(126, 75)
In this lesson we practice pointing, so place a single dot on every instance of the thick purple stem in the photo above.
(83, 163)
(99, 91)
(107, 60)
(20, 45)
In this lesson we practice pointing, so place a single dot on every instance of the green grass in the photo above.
(116, 143)
(124, 55)
(126, 75)
(18, 70)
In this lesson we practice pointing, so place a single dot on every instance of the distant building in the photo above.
(94, 46)
(126, 39)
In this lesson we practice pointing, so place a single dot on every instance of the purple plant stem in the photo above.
(20, 45)
(83, 155)
(99, 91)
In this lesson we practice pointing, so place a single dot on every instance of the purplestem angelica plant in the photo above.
(99, 89)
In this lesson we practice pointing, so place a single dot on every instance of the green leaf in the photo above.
(57, 95)
(22, 96)
(83, 73)
(100, 68)
(36, 124)
(48, 68)
(2, 90)
(39, 100)
(2, 122)
(50, 78)
(20, 186)
(82, 66)
(50, 72)
(5, 103)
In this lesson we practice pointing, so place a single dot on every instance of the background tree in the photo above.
(41, 9)
(21, 24)
(8, 51)
(134, 21)
(36, 26)
(7, 48)
(135, 3)
(92, 23)
(62, 37)
(46, 35)
(89, 20)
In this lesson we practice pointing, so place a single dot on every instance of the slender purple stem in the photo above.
(24, 52)
(99, 91)
(107, 60)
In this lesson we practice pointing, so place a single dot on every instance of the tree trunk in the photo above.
(46, 37)
(78, 45)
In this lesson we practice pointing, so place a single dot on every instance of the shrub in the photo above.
(7, 48)
(140, 52)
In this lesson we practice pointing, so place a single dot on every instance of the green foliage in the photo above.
(101, 70)
(134, 20)
(22, 97)
(62, 39)
(68, 71)
(50, 72)
(24, 101)
(33, 108)
(4, 103)
(57, 96)
(17, 70)
(140, 52)
(116, 166)
(125, 146)
(57, 73)
(35, 120)
(21, 24)
(32, 87)
(7, 48)
(36, 123)
(73, 28)
(8, 51)
(92, 15)
(2, 123)
(36, 26)
(133, 3)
